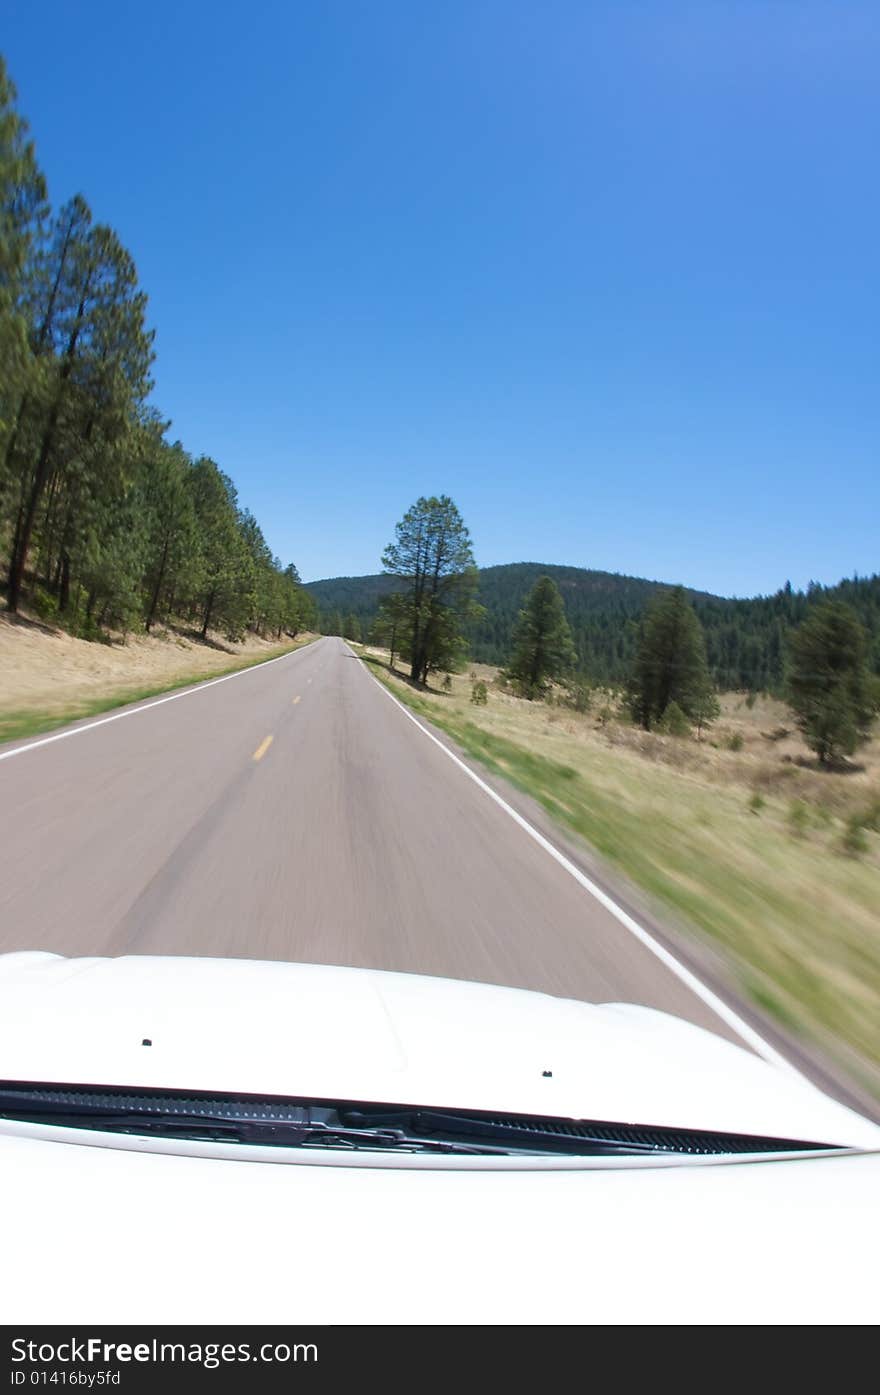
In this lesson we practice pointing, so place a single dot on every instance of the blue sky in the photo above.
(606, 273)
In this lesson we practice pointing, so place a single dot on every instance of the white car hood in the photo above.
(336, 1033)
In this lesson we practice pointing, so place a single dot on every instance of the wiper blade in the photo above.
(465, 1138)
(284, 1135)
(309, 1123)
(221, 1128)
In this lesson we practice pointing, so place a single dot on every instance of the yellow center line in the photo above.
(263, 747)
(296, 699)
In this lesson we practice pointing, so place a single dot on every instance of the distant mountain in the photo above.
(745, 638)
(353, 595)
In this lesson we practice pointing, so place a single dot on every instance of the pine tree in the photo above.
(94, 354)
(22, 212)
(389, 627)
(671, 663)
(432, 553)
(543, 646)
(170, 527)
(225, 586)
(829, 686)
(706, 709)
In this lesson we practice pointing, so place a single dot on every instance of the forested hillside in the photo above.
(103, 521)
(745, 638)
(602, 609)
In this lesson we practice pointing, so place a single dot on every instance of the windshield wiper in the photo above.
(220, 1129)
(318, 1124)
(286, 1126)
(441, 1135)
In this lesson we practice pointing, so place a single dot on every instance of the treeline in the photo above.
(746, 640)
(103, 522)
(333, 622)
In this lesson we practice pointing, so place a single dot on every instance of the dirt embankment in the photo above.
(45, 671)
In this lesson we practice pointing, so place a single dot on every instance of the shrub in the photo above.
(45, 605)
(798, 818)
(479, 693)
(853, 840)
(86, 627)
(750, 700)
(580, 697)
(735, 742)
(674, 722)
(757, 802)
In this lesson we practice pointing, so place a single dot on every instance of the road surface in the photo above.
(295, 812)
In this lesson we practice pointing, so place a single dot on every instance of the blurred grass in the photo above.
(15, 726)
(799, 922)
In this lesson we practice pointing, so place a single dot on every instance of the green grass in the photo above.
(797, 919)
(15, 726)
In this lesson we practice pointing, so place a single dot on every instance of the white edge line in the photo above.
(145, 707)
(718, 1006)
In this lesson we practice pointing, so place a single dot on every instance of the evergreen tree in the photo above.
(390, 623)
(432, 554)
(96, 364)
(829, 686)
(300, 611)
(543, 646)
(22, 211)
(264, 569)
(225, 585)
(706, 709)
(671, 663)
(170, 528)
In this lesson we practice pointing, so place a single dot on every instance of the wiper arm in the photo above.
(222, 1129)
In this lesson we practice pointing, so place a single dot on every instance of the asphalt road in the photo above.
(294, 812)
